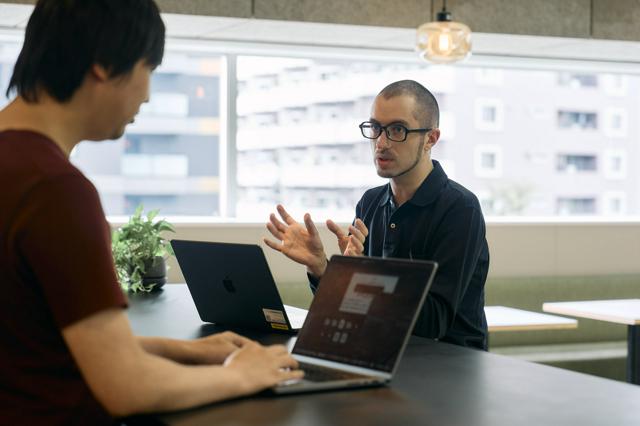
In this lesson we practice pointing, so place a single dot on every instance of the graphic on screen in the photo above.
(363, 311)
(363, 289)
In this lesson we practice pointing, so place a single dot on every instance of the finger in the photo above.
(291, 375)
(237, 339)
(362, 227)
(276, 223)
(333, 227)
(285, 216)
(356, 233)
(274, 231)
(277, 349)
(355, 247)
(288, 362)
(272, 244)
(311, 227)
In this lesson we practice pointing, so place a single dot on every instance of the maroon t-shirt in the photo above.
(56, 268)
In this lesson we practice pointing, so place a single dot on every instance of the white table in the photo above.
(502, 318)
(619, 311)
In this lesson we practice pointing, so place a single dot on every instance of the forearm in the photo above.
(156, 384)
(176, 350)
(435, 318)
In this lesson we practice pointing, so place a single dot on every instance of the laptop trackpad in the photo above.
(296, 316)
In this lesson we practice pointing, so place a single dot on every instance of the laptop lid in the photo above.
(364, 311)
(231, 284)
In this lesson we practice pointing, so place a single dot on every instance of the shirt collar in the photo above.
(428, 190)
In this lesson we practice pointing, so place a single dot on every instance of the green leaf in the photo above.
(135, 243)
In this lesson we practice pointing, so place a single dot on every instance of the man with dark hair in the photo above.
(68, 354)
(419, 214)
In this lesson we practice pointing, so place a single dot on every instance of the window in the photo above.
(615, 164)
(489, 114)
(571, 163)
(576, 206)
(577, 81)
(283, 129)
(615, 203)
(615, 122)
(577, 120)
(488, 161)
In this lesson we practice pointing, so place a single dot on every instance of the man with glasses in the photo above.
(419, 214)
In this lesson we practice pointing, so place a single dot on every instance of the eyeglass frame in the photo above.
(384, 128)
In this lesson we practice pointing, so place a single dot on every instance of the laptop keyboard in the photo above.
(315, 373)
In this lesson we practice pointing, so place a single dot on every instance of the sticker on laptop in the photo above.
(279, 326)
(273, 315)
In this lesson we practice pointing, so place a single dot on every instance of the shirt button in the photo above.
(393, 226)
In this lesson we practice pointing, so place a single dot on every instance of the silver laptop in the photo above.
(231, 285)
(359, 322)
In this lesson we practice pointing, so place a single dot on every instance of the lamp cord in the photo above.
(444, 5)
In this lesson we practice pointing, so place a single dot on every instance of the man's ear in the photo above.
(99, 72)
(432, 138)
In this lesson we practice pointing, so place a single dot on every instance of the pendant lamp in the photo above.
(444, 41)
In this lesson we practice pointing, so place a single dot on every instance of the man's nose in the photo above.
(383, 141)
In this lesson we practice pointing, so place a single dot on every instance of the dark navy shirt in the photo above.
(441, 222)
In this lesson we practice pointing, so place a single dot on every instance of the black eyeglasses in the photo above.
(395, 132)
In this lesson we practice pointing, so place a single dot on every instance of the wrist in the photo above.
(318, 269)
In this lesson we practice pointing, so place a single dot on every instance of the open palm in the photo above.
(299, 242)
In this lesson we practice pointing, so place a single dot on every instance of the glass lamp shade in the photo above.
(443, 42)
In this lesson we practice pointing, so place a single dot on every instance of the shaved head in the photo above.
(427, 111)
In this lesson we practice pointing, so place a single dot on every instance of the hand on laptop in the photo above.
(352, 244)
(216, 348)
(261, 367)
(300, 243)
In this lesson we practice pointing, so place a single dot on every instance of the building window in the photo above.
(488, 161)
(577, 120)
(615, 122)
(615, 164)
(576, 206)
(615, 203)
(571, 163)
(577, 80)
(489, 114)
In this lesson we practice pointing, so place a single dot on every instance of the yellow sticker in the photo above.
(279, 326)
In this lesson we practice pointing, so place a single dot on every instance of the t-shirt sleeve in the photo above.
(65, 243)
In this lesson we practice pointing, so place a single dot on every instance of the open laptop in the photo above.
(359, 322)
(232, 285)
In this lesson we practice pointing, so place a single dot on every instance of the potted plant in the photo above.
(139, 252)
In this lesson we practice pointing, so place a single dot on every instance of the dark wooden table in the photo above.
(437, 384)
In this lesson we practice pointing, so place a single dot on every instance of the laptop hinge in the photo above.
(343, 367)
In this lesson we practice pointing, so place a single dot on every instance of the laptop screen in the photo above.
(363, 311)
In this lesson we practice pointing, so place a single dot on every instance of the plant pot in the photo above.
(155, 273)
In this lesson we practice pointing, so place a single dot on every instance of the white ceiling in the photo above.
(316, 35)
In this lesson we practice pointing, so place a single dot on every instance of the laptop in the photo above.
(359, 322)
(231, 285)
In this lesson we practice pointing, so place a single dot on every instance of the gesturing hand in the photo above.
(299, 243)
(352, 244)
